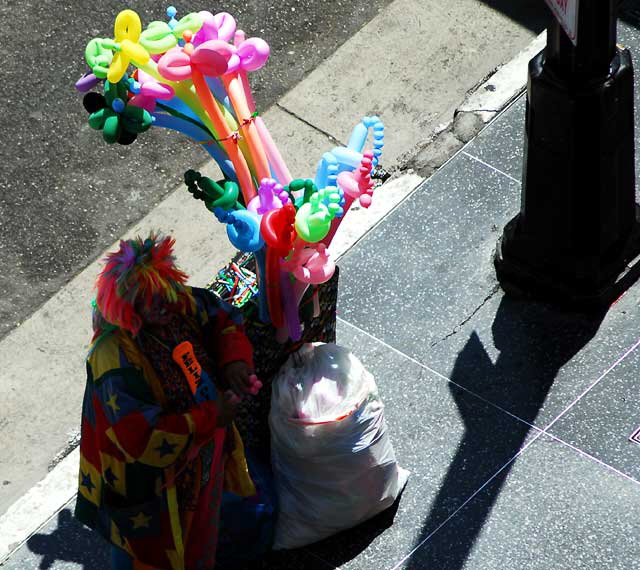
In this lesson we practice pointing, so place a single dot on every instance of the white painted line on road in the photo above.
(38, 505)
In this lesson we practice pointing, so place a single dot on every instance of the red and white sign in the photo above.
(566, 11)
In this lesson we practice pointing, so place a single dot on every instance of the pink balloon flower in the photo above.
(150, 91)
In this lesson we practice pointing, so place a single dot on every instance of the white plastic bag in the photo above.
(333, 462)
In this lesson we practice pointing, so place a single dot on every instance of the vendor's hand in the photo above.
(227, 408)
(236, 376)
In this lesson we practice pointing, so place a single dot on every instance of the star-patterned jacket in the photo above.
(131, 449)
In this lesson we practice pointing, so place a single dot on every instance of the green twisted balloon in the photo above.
(116, 117)
(213, 194)
(159, 37)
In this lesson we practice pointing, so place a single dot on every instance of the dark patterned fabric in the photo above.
(158, 348)
(269, 355)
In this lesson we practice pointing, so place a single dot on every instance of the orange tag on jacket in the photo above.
(185, 358)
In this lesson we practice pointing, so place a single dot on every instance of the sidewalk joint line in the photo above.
(384, 217)
(443, 377)
(593, 385)
(491, 167)
(466, 502)
(592, 458)
(296, 116)
(538, 432)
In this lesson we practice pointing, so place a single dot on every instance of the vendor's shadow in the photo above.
(70, 541)
(534, 342)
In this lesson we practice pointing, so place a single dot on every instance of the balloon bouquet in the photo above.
(191, 75)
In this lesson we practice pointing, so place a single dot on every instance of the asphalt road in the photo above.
(65, 195)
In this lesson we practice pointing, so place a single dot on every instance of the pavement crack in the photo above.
(480, 111)
(457, 328)
(314, 127)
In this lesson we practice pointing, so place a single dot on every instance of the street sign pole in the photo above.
(566, 12)
(577, 236)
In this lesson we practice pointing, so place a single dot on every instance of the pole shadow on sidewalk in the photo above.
(72, 542)
(534, 343)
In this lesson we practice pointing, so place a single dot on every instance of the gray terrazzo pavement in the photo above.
(469, 379)
(602, 421)
(505, 152)
(556, 509)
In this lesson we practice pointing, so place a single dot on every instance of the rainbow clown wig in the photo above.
(133, 276)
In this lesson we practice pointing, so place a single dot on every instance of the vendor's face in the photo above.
(158, 313)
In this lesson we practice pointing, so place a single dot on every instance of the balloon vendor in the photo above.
(166, 368)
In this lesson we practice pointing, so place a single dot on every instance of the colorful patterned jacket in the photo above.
(131, 449)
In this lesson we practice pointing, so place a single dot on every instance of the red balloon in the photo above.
(278, 228)
(278, 231)
(274, 291)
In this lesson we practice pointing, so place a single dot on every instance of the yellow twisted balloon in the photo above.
(127, 30)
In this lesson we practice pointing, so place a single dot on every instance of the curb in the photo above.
(36, 507)
(502, 87)
(480, 107)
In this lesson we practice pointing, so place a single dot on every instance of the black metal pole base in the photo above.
(523, 280)
(577, 235)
